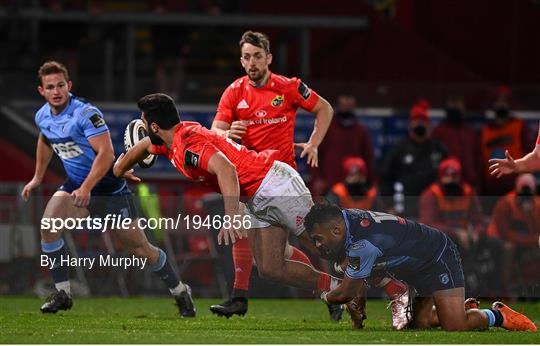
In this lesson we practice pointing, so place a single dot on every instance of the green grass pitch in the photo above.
(269, 321)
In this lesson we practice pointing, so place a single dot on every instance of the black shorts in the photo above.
(103, 202)
(442, 274)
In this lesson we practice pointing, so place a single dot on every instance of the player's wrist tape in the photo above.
(323, 297)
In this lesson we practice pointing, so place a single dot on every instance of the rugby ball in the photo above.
(135, 132)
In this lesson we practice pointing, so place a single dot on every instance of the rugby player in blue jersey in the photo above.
(420, 255)
(76, 131)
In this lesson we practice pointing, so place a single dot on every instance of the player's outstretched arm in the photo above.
(102, 146)
(227, 178)
(347, 290)
(526, 164)
(323, 117)
(44, 153)
(123, 167)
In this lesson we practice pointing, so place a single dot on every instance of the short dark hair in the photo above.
(52, 67)
(258, 39)
(159, 109)
(321, 213)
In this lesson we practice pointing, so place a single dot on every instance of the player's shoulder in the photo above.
(238, 83)
(82, 107)
(283, 81)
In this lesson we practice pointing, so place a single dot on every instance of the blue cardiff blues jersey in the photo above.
(68, 134)
(387, 241)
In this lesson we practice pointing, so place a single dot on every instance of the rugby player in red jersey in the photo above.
(259, 109)
(276, 197)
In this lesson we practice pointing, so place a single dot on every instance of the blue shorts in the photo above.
(443, 273)
(107, 201)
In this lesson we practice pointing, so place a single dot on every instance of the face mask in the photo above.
(524, 197)
(346, 119)
(502, 113)
(454, 115)
(453, 189)
(420, 130)
(357, 189)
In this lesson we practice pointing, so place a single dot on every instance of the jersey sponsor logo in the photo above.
(354, 263)
(191, 159)
(242, 105)
(67, 150)
(364, 223)
(278, 101)
(304, 90)
(261, 113)
(266, 121)
(97, 120)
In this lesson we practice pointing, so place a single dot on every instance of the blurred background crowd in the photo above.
(424, 94)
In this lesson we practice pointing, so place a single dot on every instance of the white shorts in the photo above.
(282, 200)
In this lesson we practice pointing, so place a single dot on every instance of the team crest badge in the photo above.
(444, 279)
(277, 101)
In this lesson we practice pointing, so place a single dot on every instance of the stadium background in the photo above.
(386, 53)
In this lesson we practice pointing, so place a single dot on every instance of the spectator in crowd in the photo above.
(503, 132)
(516, 221)
(345, 137)
(460, 139)
(452, 206)
(355, 191)
(411, 165)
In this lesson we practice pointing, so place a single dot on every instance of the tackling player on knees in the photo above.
(77, 132)
(420, 255)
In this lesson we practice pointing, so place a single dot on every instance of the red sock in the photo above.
(299, 256)
(395, 288)
(323, 284)
(243, 263)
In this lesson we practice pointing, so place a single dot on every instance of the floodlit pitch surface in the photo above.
(154, 320)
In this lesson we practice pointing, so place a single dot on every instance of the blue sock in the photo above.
(494, 316)
(490, 316)
(164, 270)
(55, 251)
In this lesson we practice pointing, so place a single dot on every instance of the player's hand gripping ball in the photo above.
(135, 132)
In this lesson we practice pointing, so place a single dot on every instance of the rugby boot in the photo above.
(233, 306)
(185, 305)
(513, 320)
(401, 308)
(471, 303)
(57, 301)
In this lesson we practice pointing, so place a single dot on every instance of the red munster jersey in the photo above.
(268, 111)
(194, 145)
